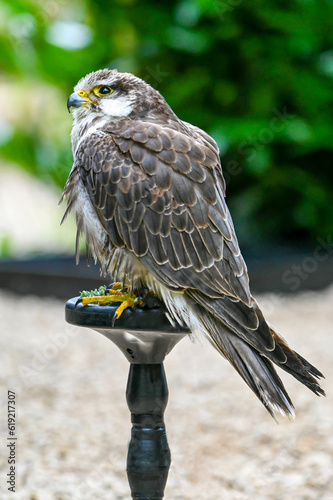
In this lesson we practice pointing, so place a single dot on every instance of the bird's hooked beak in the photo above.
(78, 99)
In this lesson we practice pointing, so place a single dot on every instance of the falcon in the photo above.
(148, 194)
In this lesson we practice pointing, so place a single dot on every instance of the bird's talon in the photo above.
(114, 286)
(127, 303)
(114, 295)
(79, 301)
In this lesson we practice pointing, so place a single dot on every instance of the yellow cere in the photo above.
(83, 93)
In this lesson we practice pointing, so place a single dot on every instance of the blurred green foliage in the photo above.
(256, 75)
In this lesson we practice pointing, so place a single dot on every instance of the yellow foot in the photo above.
(127, 303)
(113, 294)
(114, 297)
(114, 286)
(128, 300)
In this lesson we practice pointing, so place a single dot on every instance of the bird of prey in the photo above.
(148, 194)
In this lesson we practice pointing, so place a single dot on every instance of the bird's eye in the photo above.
(105, 90)
(102, 90)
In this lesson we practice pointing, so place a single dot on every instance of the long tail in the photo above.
(252, 359)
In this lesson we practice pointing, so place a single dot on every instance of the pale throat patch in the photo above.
(116, 106)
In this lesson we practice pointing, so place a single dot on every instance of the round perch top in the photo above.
(136, 318)
(145, 336)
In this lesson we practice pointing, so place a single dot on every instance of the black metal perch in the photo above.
(145, 336)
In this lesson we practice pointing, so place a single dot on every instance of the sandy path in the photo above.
(73, 422)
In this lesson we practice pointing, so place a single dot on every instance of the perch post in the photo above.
(145, 336)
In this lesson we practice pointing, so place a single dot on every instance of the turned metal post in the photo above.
(145, 336)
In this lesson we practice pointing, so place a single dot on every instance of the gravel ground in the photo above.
(73, 423)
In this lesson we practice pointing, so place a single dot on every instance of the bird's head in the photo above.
(113, 95)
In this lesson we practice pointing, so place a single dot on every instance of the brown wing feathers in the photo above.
(158, 193)
(144, 175)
